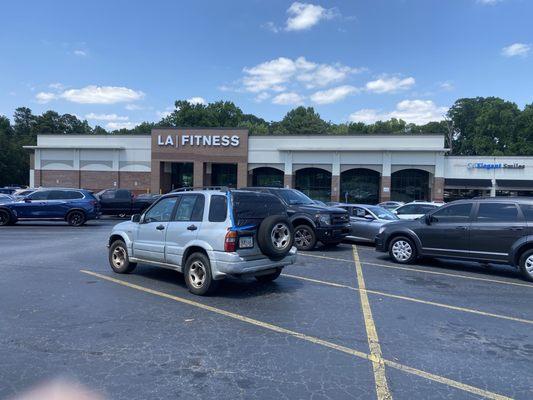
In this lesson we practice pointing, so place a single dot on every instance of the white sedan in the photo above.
(416, 209)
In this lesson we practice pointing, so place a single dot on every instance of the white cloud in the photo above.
(275, 75)
(262, 97)
(106, 117)
(333, 95)
(133, 107)
(271, 26)
(412, 111)
(516, 49)
(45, 97)
(197, 100)
(121, 125)
(388, 85)
(93, 94)
(80, 53)
(447, 86)
(489, 2)
(289, 98)
(165, 113)
(56, 86)
(303, 16)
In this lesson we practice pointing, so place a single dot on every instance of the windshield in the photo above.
(383, 213)
(291, 196)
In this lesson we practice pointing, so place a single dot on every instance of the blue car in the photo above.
(75, 206)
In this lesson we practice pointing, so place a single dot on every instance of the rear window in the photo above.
(527, 209)
(497, 212)
(218, 209)
(250, 208)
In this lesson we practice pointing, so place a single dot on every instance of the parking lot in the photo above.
(343, 322)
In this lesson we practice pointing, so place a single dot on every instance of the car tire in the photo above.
(304, 237)
(402, 250)
(198, 276)
(275, 236)
(269, 277)
(119, 259)
(526, 265)
(6, 218)
(76, 218)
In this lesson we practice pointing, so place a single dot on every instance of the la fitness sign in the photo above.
(199, 140)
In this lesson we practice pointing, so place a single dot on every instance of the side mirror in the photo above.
(27, 200)
(136, 218)
(395, 212)
(428, 219)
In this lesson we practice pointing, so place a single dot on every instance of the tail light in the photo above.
(230, 242)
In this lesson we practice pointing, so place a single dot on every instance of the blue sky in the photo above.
(117, 63)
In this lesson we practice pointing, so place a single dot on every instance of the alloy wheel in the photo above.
(280, 236)
(529, 264)
(118, 257)
(302, 237)
(197, 274)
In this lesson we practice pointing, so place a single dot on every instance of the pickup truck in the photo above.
(123, 202)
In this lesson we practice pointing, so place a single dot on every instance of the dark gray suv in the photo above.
(497, 229)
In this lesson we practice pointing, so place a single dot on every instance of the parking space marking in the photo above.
(475, 278)
(404, 368)
(378, 366)
(413, 299)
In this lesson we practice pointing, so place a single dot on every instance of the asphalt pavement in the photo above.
(342, 323)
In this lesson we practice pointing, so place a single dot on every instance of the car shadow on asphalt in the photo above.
(451, 266)
(234, 288)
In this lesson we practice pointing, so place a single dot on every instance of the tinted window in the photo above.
(453, 213)
(527, 209)
(383, 213)
(497, 212)
(409, 209)
(186, 208)
(123, 194)
(198, 211)
(58, 195)
(292, 196)
(71, 195)
(424, 208)
(108, 194)
(40, 195)
(161, 211)
(218, 209)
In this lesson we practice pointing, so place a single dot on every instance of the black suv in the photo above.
(311, 222)
(497, 229)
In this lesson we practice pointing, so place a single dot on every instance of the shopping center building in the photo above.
(365, 168)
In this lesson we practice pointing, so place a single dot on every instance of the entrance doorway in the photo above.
(181, 175)
(224, 175)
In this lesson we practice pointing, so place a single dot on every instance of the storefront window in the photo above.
(410, 184)
(514, 193)
(181, 175)
(267, 177)
(314, 182)
(224, 175)
(360, 185)
(458, 194)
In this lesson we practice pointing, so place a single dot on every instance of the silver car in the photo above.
(366, 220)
(207, 235)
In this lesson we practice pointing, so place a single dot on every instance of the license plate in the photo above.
(246, 242)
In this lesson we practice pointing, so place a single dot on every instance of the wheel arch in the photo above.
(409, 235)
(302, 220)
(70, 211)
(195, 248)
(519, 249)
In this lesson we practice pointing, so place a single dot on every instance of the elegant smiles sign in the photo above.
(198, 140)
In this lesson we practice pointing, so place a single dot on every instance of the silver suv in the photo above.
(207, 235)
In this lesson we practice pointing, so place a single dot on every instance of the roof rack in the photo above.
(191, 188)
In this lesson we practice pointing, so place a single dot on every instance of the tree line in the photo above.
(473, 126)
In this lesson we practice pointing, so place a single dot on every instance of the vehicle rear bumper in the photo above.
(223, 264)
(334, 233)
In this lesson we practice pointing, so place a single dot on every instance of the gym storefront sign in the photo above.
(198, 140)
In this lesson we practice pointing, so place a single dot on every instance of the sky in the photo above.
(118, 63)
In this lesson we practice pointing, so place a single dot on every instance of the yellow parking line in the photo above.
(475, 278)
(382, 388)
(413, 371)
(413, 299)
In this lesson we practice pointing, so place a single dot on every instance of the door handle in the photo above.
(462, 228)
(515, 228)
(192, 227)
(160, 227)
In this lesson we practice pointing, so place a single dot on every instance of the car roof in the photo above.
(518, 199)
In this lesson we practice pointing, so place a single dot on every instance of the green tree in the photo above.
(303, 121)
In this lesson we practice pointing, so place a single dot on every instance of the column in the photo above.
(198, 174)
(155, 176)
(335, 177)
(493, 187)
(385, 189)
(76, 166)
(438, 180)
(288, 178)
(242, 174)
